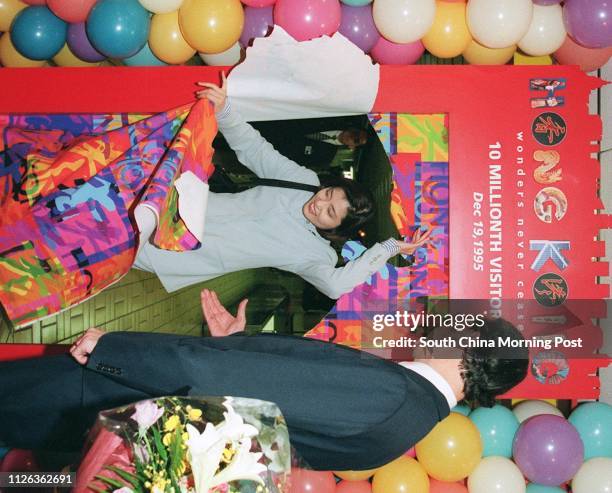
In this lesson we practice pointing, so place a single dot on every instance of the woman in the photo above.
(271, 226)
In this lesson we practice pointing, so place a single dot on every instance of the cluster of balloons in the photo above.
(492, 450)
(157, 32)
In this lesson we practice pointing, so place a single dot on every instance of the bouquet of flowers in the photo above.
(188, 445)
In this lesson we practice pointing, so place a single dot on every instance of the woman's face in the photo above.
(327, 208)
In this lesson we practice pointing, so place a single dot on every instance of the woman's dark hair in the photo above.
(360, 211)
(491, 371)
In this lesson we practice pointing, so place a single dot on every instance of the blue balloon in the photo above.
(462, 409)
(118, 28)
(144, 58)
(593, 421)
(497, 426)
(538, 488)
(356, 3)
(37, 33)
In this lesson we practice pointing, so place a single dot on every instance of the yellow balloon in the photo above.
(452, 450)
(166, 41)
(403, 475)
(10, 57)
(8, 10)
(355, 475)
(522, 59)
(65, 58)
(449, 35)
(211, 26)
(477, 54)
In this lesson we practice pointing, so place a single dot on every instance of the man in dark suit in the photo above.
(345, 409)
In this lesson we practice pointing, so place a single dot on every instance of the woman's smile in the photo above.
(327, 208)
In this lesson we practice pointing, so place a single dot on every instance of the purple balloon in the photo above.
(357, 24)
(79, 44)
(548, 449)
(257, 23)
(589, 22)
(547, 2)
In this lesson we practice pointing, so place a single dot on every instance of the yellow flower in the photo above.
(172, 422)
(167, 439)
(194, 414)
(185, 436)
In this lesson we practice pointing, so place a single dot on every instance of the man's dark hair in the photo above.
(360, 211)
(490, 371)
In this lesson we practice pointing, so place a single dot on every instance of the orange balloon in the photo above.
(403, 475)
(65, 58)
(477, 54)
(166, 41)
(10, 57)
(211, 26)
(452, 450)
(588, 59)
(355, 475)
(449, 35)
(8, 10)
(436, 486)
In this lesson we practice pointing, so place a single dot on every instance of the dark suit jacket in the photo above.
(345, 409)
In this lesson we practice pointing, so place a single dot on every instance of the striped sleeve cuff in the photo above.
(225, 110)
(391, 246)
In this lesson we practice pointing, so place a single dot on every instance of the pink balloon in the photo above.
(389, 53)
(71, 10)
(35, 2)
(589, 59)
(19, 460)
(306, 481)
(436, 486)
(258, 3)
(308, 19)
(411, 453)
(354, 487)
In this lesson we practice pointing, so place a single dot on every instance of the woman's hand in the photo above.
(220, 321)
(419, 238)
(85, 345)
(215, 94)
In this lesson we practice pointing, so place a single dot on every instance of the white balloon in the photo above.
(546, 32)
(594, 476)
(226, 58)
(496, 474)
(499, 23)
(161, 6)
(526, 409)
(404, 21)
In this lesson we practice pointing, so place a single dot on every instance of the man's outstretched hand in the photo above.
(220, 321)
(85, 345)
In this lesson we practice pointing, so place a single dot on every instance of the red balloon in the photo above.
(71, 10)
(589, 59)
(354, 487)
(19, 460)
(35, 2)
(306, 481)
(436, 486)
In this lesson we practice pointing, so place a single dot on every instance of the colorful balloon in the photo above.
(37, 33)
(258, 21)
(595, 476)
(462, 408)
(80, 45)
(547, 2)
(8, 10)
(308, 19)
(166, 41)
(449, 35)
(211, 26)
(71, 10)
(404, 21)
(496, 474)
(389, 53)
(144, 58)
(526, 409)
(497, 426)
(411, 452)
(19, 460)
(499, 23)
(588, 59)
(355, 475)
(450, 451)
(226, 58)
(357, 24)
(258, 3)
(161, 6)
(546, 32)
(403, 475)
(306, 481)
(35, 2)
(548, 450)
(118, 28)
(476, 54)
(65, 58)
(354, 487)
(593, 421)
(540, 488)
(436, 486)
(10, 57)
(589, 22)
(356, 3)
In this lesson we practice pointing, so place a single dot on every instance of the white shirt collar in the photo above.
(434, 378)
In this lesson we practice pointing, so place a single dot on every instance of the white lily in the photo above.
(233, 427)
